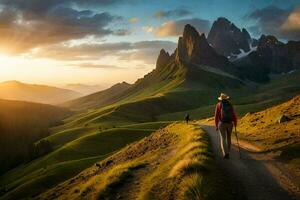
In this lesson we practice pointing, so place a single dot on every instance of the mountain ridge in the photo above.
(16, 90)
(100, 98)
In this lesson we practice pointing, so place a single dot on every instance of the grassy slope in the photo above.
(71, 156)
(15, 90)
(158, 98)
(98, 99)
(247, 99)
(18, 128)
(156, 95)
(174, 161)
(263, 129)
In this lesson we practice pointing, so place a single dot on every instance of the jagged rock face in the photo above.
(278, 56)
(227, 39)
(163, 59)
(194, 48)
(272, 56)
(294, 52)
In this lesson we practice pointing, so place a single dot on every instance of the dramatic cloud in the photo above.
(146, 51)
(175, 28)
(179, 12)
(40, 7)
(283, 23)
(291, 27)
(23, 26)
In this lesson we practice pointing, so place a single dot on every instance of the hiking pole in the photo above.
(237, 140)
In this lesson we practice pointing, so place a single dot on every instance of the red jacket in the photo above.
(218, 113)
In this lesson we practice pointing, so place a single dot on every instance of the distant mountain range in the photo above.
(15, 90)
(227, 58)
(98, 99)
(84, 89)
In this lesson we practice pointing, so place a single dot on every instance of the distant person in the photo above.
(225, 119)
(187, 118)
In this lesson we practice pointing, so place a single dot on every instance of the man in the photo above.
(187, 118)
(225, 118)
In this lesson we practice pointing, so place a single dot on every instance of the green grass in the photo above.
(115, 178)
(63, 137)
(101, 131)
(152, 169)
(83, 149)
(245, 99)
(181, 173)
(45, 178)
(148, 125)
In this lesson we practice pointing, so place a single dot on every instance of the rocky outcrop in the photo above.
(163, 59)
(283, 118)
(194, 48)
(227, 39)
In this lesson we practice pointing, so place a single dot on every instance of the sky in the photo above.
(59, 42)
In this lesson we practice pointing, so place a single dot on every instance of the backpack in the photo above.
(226, 111)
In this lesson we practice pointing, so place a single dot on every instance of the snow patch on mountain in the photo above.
(243, 54)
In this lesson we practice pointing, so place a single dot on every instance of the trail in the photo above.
(256, 176)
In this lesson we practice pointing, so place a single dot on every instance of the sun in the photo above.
(6, 60)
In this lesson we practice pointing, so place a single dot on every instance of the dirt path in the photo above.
(255, 176)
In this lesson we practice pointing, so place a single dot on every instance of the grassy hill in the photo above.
(172, 162)
(98, 99)
(22, 124)
(71, 155)
(247, 99)
(14, 90)
(269, 130)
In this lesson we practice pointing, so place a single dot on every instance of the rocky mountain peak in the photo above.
(194, 48)
(227, 39)
(191, 44)
(190, 32)
(268, 41)
(163, 59)
(222, 22)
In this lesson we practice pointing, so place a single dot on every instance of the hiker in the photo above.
(225, 119)
(187, 118)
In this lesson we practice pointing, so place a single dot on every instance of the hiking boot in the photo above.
(226, 156)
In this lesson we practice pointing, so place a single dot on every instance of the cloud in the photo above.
(122, 32)
(271, 20)
(133, 20)
(175, 28)
(94, 65)
(23, 28)
(146, 51)
(179, 12)
(40, 7)
(291, 27)
(148, 56)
